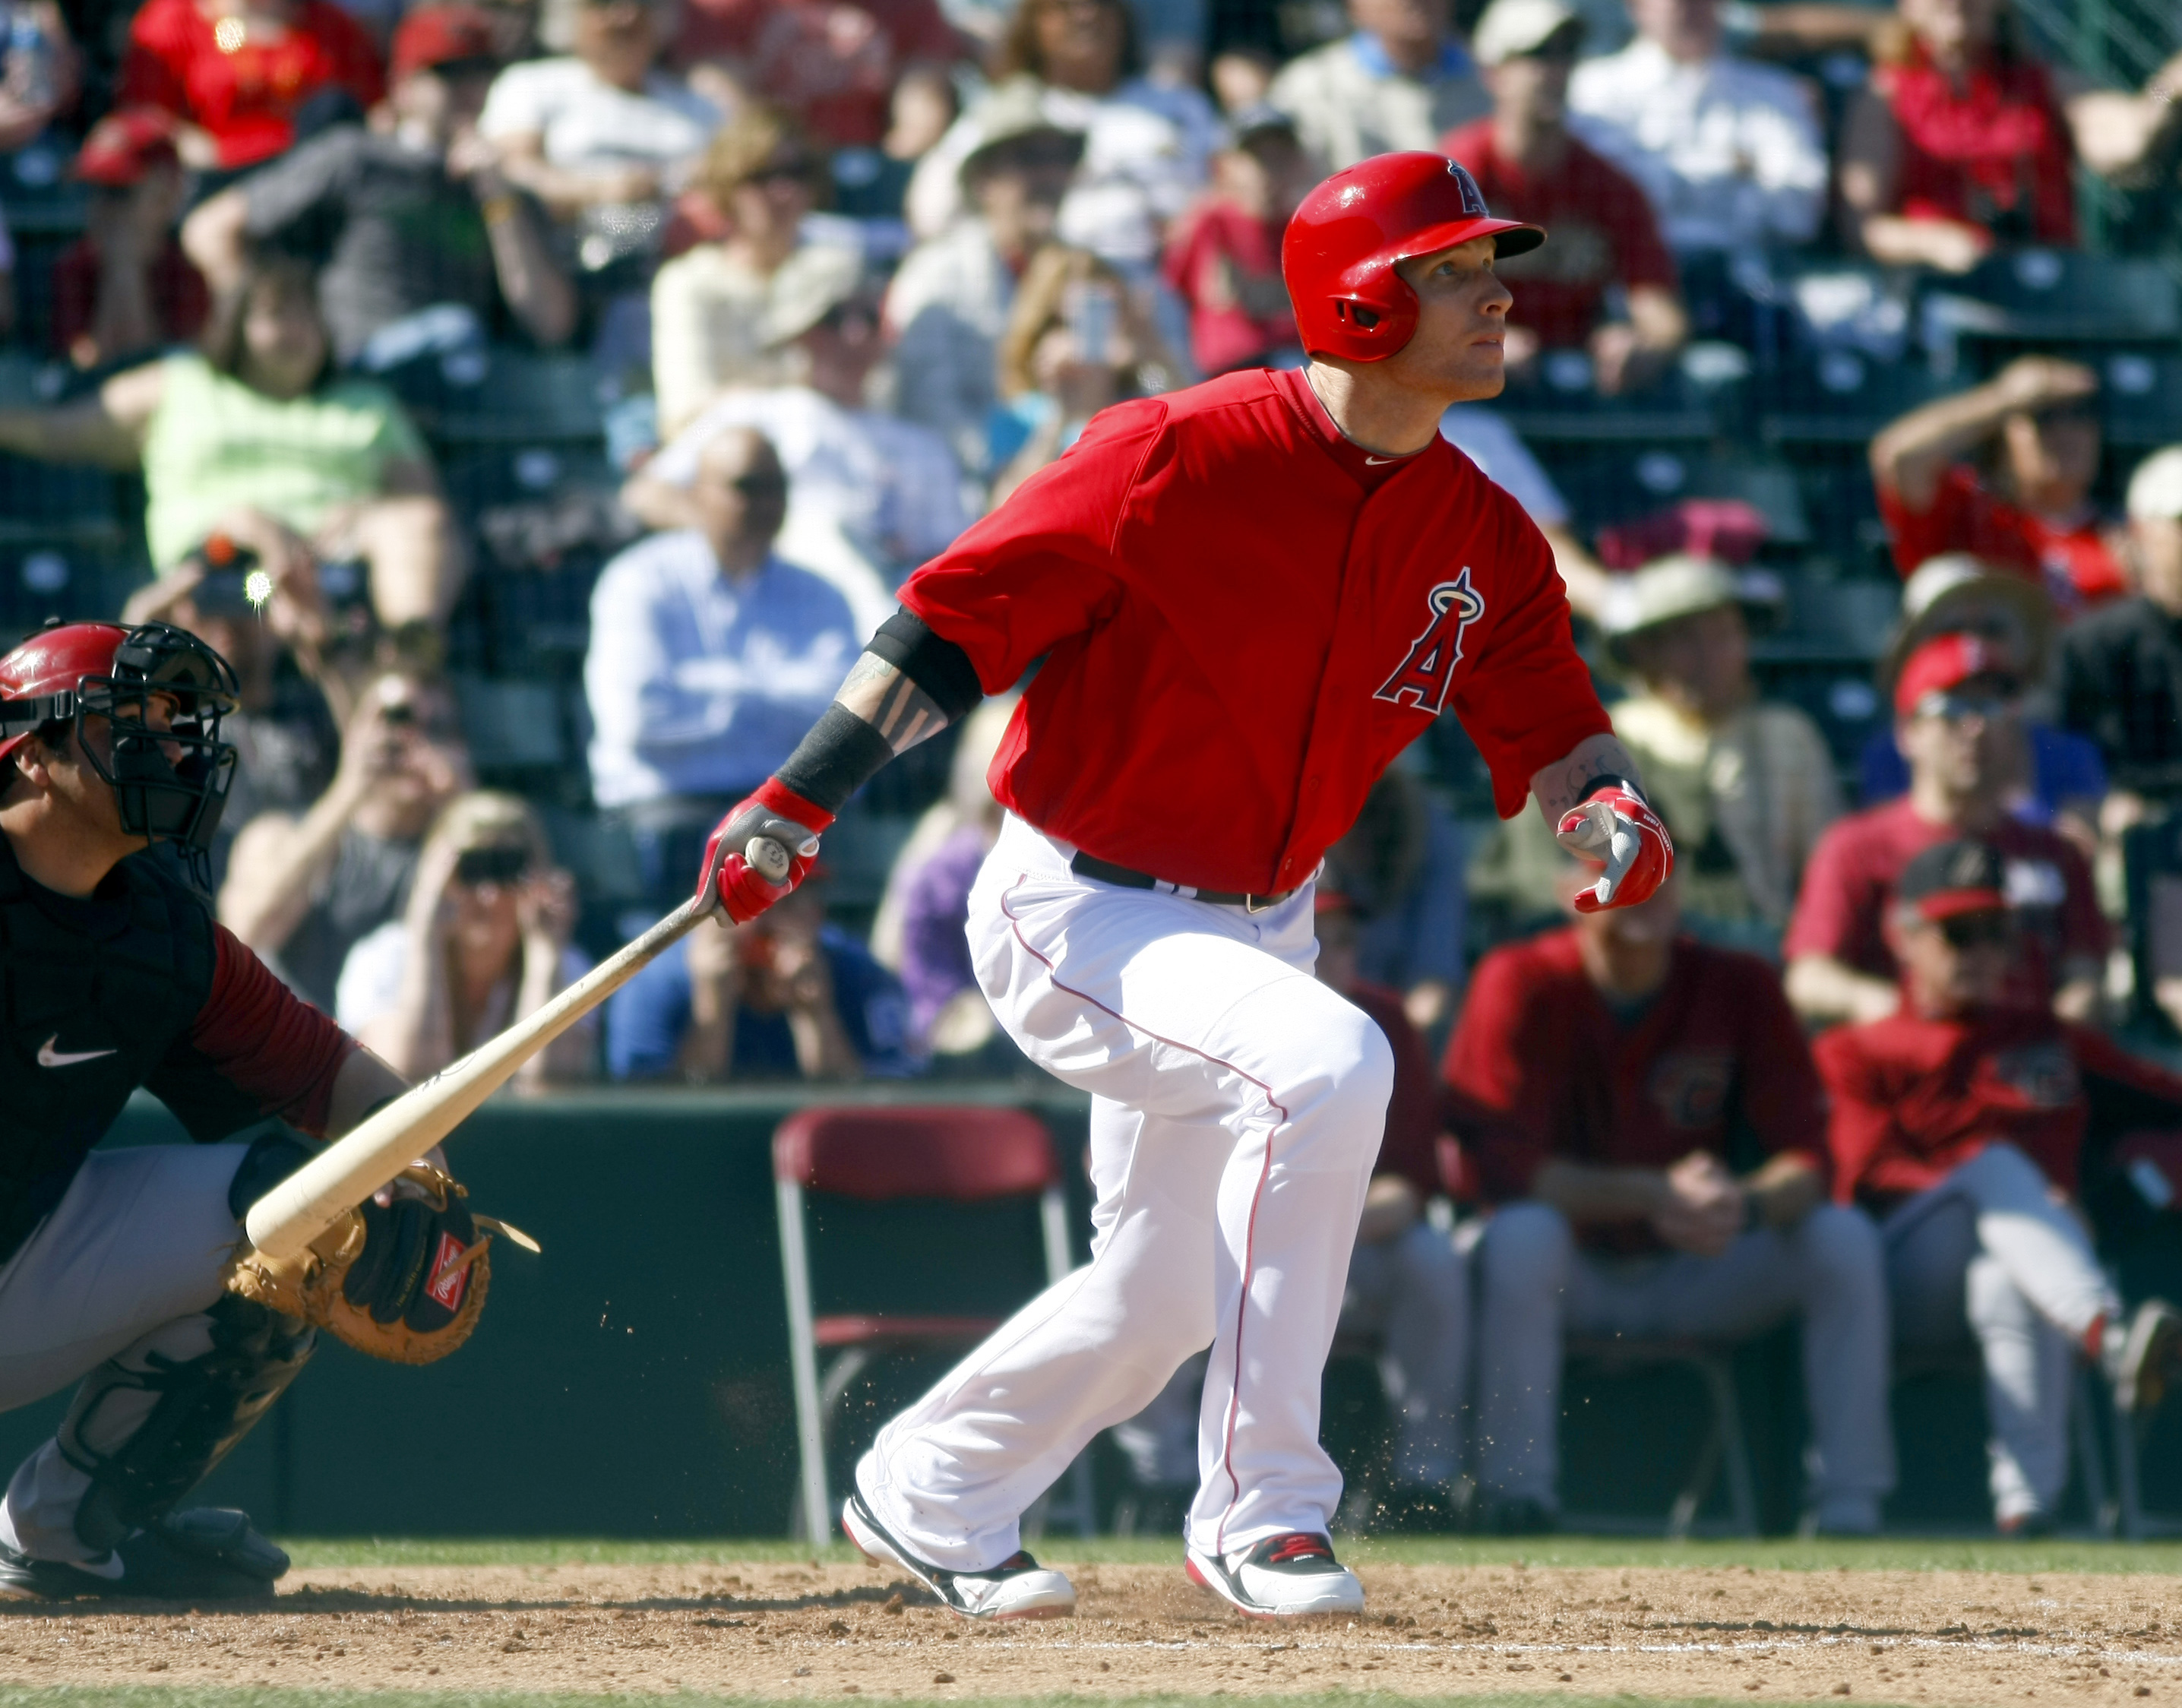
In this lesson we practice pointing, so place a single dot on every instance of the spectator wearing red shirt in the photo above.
(1610, 1067)
(1223, 258)
(124, 287)
(1959, 1120)
(832, 64)
(1955, 705)
(2029, 510)
(237, 72)
(1604, 235)
(1963, 141)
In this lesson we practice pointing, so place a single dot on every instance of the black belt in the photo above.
(1105, 871)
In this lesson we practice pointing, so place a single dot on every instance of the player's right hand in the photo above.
(1618, 830)
(779, 814)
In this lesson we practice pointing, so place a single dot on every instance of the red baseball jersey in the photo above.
(1914, 1098)
(1543, 1067)
(1244, 617)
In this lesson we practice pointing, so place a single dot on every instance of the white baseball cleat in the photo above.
(1018, 1587)
(1281, 1577)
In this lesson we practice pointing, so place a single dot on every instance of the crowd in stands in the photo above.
(308, 294)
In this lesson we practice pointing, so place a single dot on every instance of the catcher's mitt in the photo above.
(405, 1282)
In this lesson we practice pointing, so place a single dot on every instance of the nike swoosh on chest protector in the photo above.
(50, 1058)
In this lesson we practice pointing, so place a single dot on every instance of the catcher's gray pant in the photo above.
(1987, 1253)
(1410, 1294)
(122, 1271)
(1534, 1285)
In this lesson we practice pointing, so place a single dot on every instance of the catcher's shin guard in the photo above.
(148, 1424)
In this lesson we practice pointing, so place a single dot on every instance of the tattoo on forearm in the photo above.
(902, 712)
(1558, 786)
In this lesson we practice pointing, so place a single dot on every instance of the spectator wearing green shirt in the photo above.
(258, 437)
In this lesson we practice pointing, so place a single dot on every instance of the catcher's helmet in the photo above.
(69, 670)
(1338, 255)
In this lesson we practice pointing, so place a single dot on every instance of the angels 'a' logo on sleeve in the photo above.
(1422, 679)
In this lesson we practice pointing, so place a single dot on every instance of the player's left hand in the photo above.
(778, 814)
(1616, 827)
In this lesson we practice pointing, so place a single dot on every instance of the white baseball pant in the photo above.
(1534, 1284)
(1410, 1294)
(123, 1268)
(1988, 1251)
(1237, 1108)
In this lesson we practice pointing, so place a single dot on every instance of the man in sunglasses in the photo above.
(709, 657)
(113, 976)
(1958, 1121)
(1956, 709)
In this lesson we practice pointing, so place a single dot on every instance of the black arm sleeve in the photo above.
(937, 666)
(838, 757)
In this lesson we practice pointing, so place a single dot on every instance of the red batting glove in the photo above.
(1614, 828)
(775, 811)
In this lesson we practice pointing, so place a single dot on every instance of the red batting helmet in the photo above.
(1338, 255)
(171, 778)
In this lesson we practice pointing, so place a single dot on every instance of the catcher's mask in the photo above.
(162, 693)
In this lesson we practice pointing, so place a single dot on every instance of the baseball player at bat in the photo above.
(123, 1268)
(1249, 596)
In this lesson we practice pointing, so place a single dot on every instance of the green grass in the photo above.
(1891, 1554)
(209, 1696)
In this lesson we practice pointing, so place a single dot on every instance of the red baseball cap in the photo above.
(435, 36)
(124, 145)
(1945, 662)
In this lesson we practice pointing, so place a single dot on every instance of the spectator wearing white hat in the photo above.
(1605, 240)
(1401, 79)
(948, 304)
(1747, 783)
(2121, 666)
(718, 311)
(869, 496)
(1729, 151)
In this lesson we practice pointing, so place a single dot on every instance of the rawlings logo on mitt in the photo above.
(405, 1282)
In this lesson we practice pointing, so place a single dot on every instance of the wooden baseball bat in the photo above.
(348, 1171)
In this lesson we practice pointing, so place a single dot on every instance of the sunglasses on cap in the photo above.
(1954, 705)
(1978, 931)
(759, 486)
(503, 864)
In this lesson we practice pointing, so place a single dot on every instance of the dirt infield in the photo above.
(834, 1630)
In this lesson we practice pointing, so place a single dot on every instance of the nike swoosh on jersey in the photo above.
(1374, 462)
(50, 1058)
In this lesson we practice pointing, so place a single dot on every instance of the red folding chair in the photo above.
(962, 1154)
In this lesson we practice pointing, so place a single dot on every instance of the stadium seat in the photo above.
(1723, 1447)
(2140, 400)
(1605, 487)
(2113, 1510)
(500, 396)
(1563, 409)
(2042, 298)
(1838, 398)
(960, 1155)
(41, 198)
(58, 574)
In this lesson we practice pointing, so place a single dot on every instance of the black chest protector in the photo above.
(94, 993)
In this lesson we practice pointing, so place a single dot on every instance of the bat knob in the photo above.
(767, 858)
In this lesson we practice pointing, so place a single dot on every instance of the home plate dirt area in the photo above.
(1723, 1633)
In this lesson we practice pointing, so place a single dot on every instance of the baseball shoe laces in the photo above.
(1282, 1576)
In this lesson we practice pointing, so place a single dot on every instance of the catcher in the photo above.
(125, 1267)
